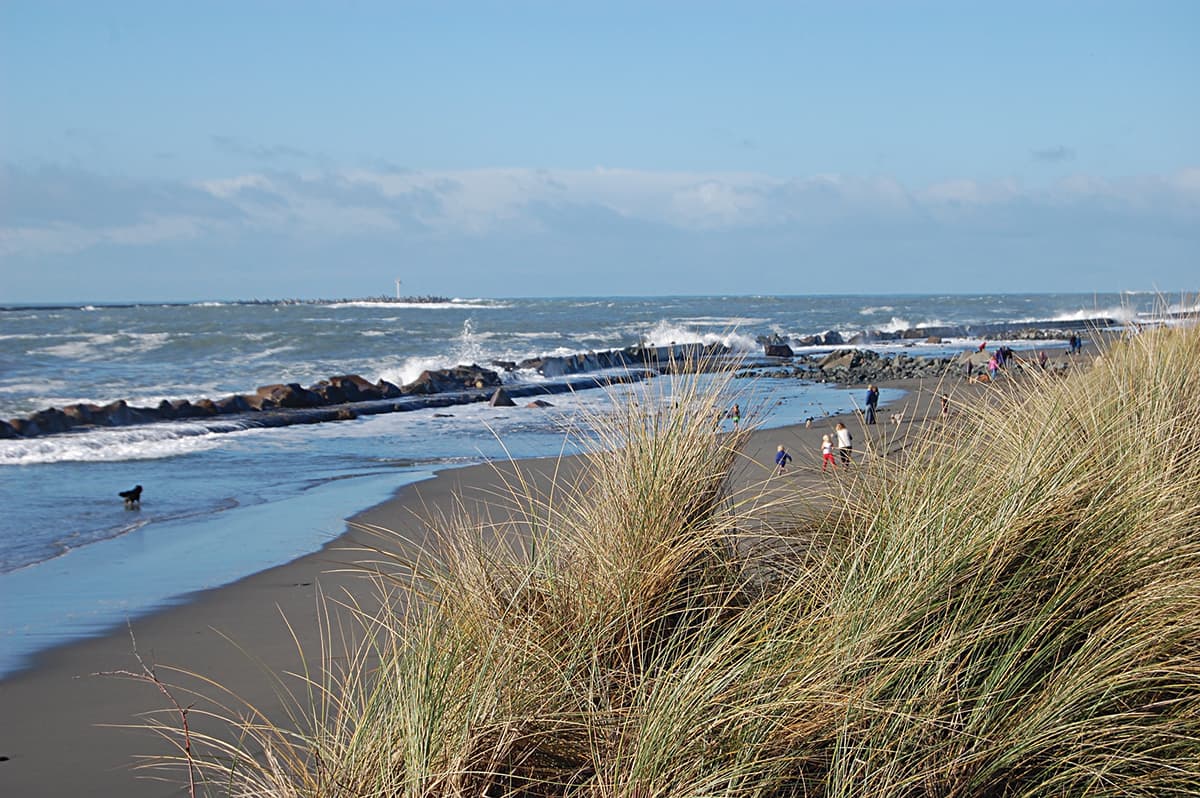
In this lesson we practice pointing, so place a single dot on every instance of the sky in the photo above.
(234, 150)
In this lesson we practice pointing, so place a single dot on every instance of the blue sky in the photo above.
(163, 151)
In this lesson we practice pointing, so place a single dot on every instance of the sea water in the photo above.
(223, 501)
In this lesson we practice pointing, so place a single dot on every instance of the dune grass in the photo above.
(1013, 610)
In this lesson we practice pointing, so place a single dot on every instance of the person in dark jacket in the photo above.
(872, 403)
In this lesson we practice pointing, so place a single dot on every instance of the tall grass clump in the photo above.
(1012, 609)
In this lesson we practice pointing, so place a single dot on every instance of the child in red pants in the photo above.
(827, 453)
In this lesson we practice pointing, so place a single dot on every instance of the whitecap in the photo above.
(150, 442)
(665, 333)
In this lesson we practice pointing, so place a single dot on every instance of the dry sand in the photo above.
(57, 734)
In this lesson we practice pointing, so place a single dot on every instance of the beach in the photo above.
(63, 732)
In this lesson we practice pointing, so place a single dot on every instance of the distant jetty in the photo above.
(389, 300)
(383, 300)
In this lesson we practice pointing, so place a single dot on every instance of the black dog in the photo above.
(133, 498)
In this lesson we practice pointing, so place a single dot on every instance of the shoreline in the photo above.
(228, 633)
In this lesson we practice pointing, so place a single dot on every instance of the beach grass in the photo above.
(1009, 607)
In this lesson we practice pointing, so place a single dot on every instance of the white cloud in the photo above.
(473, 204)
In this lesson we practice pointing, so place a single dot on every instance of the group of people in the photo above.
(841, 440)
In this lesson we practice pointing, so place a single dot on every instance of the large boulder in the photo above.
(831, 338)
(330, 394)
(291, 395)
(204, 407)
(840, 359)
(233, 404)
(81, 413)
(182, 408)
(25, 428)
(459, 378)
(778, 350)
(387, 390)
(51, 421)
(355, 388)
(115, 414)
(6, 430)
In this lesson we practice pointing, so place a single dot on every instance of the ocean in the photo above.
(223, 500)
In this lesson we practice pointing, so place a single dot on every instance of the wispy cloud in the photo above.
(260, 152)
(1055, 154)
(68, 210)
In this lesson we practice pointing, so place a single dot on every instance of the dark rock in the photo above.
(507, 365)
(387, 390)
(330, 394)
(233, 404)
(182, 408)
(80, 413)
(25, 427)
(501, 399)
(6, 430)
(355, 388)
(50, 421)
(458, 378)
(257, 401)
(539, 403)
(291, 395)
(778, 350)
(204, 407)
(345, 414)
(115, 414)
(424, 384)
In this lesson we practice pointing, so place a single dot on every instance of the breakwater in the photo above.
(345, 397)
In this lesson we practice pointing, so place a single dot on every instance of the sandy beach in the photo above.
(62, 723)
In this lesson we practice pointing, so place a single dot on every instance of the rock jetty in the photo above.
(348, 396)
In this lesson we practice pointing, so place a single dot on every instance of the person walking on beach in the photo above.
(844, 442)
(827, 454)
(736, 415)
(782, 458)
(992, 367)
(872, 403)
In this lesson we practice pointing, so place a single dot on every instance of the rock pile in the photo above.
(331, 392)
(283, 404)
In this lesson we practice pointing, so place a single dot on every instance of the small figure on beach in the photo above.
(736, 415)
(782, 458)
(982, 345)
(992, 368)
(132, 497)
(827, 453)
(945, 412)
(872, 403)
(844, 442)
(1042, 359)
